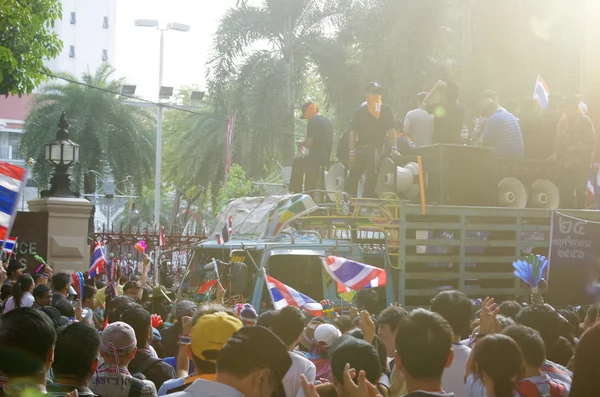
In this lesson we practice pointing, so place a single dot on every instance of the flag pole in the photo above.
(268, 289)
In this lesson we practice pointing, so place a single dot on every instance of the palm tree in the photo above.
(262, 87)
(115, 139)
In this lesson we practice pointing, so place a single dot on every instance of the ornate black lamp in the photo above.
(62, 153)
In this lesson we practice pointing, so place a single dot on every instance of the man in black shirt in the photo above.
(373, 125)
(62, 283)
(449, 113)
(319, 141)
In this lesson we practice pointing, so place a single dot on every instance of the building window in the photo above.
(105, 23)
(73, 18)
(104, 55)
(14, 139)
(72, 51)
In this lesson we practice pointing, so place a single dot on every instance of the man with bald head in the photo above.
(502, 131)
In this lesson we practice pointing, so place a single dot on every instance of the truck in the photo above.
(424, 249)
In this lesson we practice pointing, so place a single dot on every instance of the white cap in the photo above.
(327, 334)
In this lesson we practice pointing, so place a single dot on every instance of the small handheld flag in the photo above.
(284, 295)
(98, 261)
(9, 246)
(207, 285)
(353, 275)
(12, 182)
(541, 92)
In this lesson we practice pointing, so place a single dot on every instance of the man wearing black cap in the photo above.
(15, 270)
(319, 142)
(251, 364)
(373, 125)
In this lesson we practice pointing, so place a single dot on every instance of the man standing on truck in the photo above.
(373, 125)
(319, 142)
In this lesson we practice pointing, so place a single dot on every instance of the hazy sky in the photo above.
(185, 53)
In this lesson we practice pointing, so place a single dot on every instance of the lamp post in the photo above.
(151, 23)
(62, 153)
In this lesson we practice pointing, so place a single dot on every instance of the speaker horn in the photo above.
(544, 194)
(397, 180)
(386, 180)
(335, 180)
(512, 193)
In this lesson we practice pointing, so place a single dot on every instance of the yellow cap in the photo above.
(211, 333)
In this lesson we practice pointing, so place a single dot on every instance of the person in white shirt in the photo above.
(456, 308)
(288, 325)
(418, 124)
(21, 294)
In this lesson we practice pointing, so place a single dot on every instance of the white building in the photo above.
(88, 33)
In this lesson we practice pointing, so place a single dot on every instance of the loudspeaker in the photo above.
(335, 179)
(512, 193)
(459, 175)
(402, 181)
(544, 194)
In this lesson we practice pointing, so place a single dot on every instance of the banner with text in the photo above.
(574, 249)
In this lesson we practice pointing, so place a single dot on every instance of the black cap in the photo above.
(257, 347)
(361, 356)
(14, 265)
(130, 284)
(304, 107)
(374, 88)
(185, 308)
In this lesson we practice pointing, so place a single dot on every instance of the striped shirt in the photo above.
(503, 133)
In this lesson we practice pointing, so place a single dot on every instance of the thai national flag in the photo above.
(9, 245)
(98, 260)
(541, 92)
(284, 295)
(12, 183)
(354, 275)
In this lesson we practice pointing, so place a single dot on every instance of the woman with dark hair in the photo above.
(586, 364)
(22, 295)
(497, 361)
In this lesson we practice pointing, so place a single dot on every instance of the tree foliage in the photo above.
(26, 40)
(114, 139)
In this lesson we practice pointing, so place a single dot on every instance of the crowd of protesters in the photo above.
(51, 345)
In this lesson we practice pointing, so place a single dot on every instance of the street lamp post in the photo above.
(171, 26)
(62, 153)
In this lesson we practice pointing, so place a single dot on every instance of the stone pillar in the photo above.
(68, 248)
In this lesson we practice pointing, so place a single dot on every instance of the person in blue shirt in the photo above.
(502, 131)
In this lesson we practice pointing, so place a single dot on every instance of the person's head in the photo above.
(89, 296)
(489, 94)
(344, 324)
(118, 344)
(368, 299)
(530, 342)
(76, 353)
(510, 309)
(373, 88)
(387, 324)
(451, 91)
(23, 284)
(139, 319)
(254, 361)
(265, 319)
(499, 364)
(118, 306)
(5, 292)
(586, 364)
(61, 283)
(574, 321)
(42, 295)
(59, 321)
(27, 339)
(361, 356)
(288, 325)
(489, 107)
(246, 313)
(570, 106)
(420, 98)
(307, 341)
(309, 110)
(210, 333)
(456, 308)
(131, 289)
(185, 309)
(15, 269)
(423, 345)
(325, 336)
(545, 320)
(592, 316)
(513, 107)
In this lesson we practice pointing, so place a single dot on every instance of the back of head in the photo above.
(391, 317)
(210, 333)
(451, 91)
(361, 356)
(118, 306)
(40, 291)
(118, 341)
(23, 284)
(288, 325)
(544, 319)
(367, 299)
(76, 351)
(344, 323)
(423, 344)
(456, 308)
(58, 320)
(60, 281)
(185, 309)
(499, 357)
(265, 319)
(586, 364)
(488, 107)
(530, 342)
(139, 319)
(26, 338)
(510, 309)
(5, 291)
